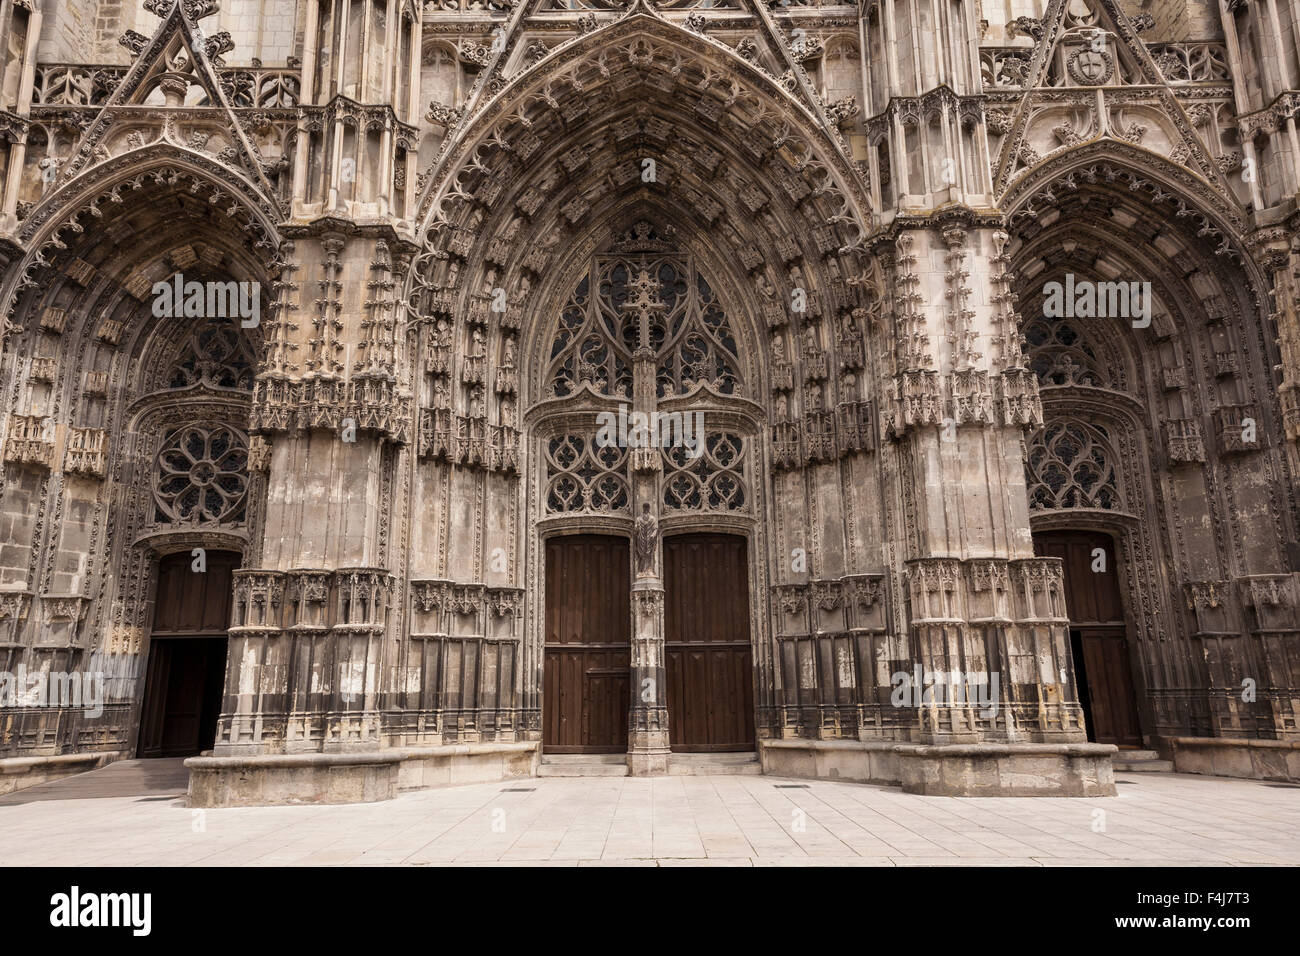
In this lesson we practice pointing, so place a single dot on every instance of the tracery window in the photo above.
(584, 476)
(213, 354)
(644, 294)
(1070, 465)
(713, 480)
(1060, 354)
(201, 475)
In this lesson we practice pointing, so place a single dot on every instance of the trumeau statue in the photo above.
(646, 537)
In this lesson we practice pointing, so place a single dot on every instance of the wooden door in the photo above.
(707, 645)
(1098, 635)
(588, 645)
(187, 656)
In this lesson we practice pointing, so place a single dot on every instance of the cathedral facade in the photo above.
(399, 393)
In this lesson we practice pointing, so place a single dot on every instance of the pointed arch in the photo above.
(237, 217)
(644, 50)
(640, 111)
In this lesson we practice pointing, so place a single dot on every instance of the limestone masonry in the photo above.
(402, 394)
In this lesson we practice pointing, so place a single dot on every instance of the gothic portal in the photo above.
(399, 393)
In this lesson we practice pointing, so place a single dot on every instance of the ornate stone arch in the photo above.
(637, 120)
(633, 36)
(1177, 396)
(63, 216)
(88, 380)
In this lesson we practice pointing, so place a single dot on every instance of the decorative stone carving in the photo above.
(646, 539)
(86, 452)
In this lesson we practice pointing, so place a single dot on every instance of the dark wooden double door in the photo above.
(1098, 634)
(708, 660)
(187, 656)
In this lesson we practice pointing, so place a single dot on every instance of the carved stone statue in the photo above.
(646, 536)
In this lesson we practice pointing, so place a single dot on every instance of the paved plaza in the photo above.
(134, 813)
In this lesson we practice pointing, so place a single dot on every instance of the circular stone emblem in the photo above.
(1090, 67)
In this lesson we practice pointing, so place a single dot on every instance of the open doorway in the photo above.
(1099, 635)
(187, 656)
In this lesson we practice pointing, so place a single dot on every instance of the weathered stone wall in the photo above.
(417, 247)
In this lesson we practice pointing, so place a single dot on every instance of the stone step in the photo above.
(696, 764)
(583, 765)
(1141, 761)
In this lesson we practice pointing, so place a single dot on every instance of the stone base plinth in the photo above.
(1226, 757)
(648, 764)
(962, 770)
(280, 779)
(19, 773)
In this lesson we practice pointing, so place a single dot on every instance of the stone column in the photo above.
(315, 606)
(647, 738)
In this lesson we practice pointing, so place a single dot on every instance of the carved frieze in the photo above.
(1183, 442)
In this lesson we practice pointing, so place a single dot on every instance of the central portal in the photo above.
(647, 436)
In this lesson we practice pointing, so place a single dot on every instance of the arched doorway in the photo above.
(1099, 633)
(153, 393)
(1157, 431)
(645, 444)
(187, 654)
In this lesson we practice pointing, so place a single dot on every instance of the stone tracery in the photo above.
(202, 475)
(652, 300)
(1069, 465)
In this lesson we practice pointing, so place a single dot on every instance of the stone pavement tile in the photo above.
(624, 861)
(709, 861)
(728, 847)
(827, 861)
(506, 863)
(691, 820)
(957, 861)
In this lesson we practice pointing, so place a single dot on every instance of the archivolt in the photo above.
(643, 53)
(641, 113)
(64, 216)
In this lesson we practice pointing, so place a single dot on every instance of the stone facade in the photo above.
(853, 214)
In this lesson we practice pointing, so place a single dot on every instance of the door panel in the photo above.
(1099, 635)
(707, 645)
(588, 645)
(1105, 657)
(187, 656)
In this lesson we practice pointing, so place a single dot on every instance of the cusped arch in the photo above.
(1094, 212)
(59, 209)
(1177, 191)
(639, 113)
